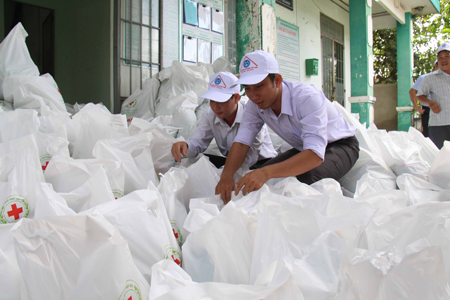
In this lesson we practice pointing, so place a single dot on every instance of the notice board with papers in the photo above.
(202, 30)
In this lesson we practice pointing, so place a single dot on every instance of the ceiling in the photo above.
(386, 13)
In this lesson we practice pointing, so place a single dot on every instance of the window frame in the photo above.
(119, 60)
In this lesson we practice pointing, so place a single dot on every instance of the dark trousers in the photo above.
(425, 118)
(439, 134)
(219, 161)
(340, 156)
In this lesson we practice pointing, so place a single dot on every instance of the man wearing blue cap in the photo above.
(222, 121)
(436, 86)
(324, 145)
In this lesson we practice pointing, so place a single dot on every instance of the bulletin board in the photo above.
(202, 30)
(288, 50)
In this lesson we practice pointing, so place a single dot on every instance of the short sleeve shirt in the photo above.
(437, 86)
(418, 83)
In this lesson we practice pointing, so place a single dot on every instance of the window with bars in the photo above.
(139, 41)
(332, 59)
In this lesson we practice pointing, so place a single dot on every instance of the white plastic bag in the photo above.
(428, 150)
(183, 106)
(93, 123)
(141, 104)
(439, 172)
(222, 249)
(400, 153)
(5, 106)
(20, 178)
(82, 185)
(169, 188)
(76, 257)
(201, 182)
(135, 155)
(10, 83)
(180, 79)
(150, 235)
(421, 191)
(16, 124)
(38, 91)
(11, 282)
(373, 275)
(401, 229)
(171, 282)
(14, 56)
(164, 123)
(201, 210)
(50, 204)
(369, 162)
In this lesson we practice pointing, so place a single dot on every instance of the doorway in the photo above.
(332, 59)
(39, 23)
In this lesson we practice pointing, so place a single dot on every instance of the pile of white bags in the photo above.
(141, 104)
(14, 56)
(93, 206)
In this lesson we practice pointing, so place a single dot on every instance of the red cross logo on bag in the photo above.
(14, 208)
(45, 167)
(131, 291)
(176, 260)
(15, 211)
(173, 253)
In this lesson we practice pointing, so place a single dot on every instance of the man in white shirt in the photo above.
(436, 85)
(324, 145)
(424, 111)
(222, 121)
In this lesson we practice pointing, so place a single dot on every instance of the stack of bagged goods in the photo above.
(94, 206)
(20, 83)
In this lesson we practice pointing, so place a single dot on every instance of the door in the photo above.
(332, 59)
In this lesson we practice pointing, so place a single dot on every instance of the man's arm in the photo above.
(433, 105)
(296, 165)
(234, 161)
(412, 96)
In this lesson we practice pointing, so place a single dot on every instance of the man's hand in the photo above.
(252, 181)
(225, 187)
(434, 107)
(420, 110)
(179, 148)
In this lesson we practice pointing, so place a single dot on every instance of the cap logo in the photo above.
(248, 65)
(218, 83)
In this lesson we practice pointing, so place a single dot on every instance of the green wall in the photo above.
(82, 48)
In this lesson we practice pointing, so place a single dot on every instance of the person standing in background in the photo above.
(424, 110)
(436, 86)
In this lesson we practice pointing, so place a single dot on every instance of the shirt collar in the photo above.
(440, 72)
(237, 120)
(286, 103)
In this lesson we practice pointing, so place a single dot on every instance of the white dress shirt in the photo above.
(307, 120)
(210, 126)
(437, 86)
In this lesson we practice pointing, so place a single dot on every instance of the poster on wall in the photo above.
(207, 29)
(288, 50)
